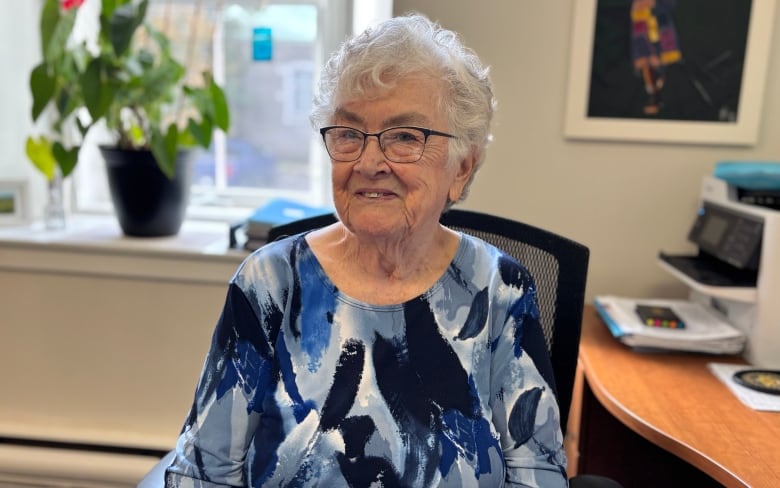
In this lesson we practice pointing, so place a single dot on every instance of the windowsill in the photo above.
(95, 245)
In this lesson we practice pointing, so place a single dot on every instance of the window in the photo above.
(266, 56)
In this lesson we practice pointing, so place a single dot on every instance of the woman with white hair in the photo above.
(385, 349)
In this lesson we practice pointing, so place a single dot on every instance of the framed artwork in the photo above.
(13, 202)
(681, 71)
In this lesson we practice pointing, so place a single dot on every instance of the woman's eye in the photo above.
(351, 134)
(403, 136)
(348, 135)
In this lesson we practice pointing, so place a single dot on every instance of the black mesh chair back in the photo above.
(559, 267)
(301, 225)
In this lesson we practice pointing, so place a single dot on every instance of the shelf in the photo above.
(95, 246)
(739, 294)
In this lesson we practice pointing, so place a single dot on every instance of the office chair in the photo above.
(559, 267)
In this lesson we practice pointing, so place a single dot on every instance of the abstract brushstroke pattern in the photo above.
(304, 386)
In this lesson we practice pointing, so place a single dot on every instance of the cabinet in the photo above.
(103, 337)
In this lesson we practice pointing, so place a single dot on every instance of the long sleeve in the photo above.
(228, 401)
(525, 410)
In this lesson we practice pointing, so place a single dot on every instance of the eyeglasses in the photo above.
(398, 144)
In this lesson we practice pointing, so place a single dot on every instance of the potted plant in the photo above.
(127, 80)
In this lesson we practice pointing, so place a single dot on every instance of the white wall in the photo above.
(626, 201)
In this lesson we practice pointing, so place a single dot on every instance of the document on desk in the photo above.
(752, 398)
(705, 329)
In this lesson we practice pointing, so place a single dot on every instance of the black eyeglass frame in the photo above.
(426, 132)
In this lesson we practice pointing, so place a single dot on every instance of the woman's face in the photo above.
(376, 197)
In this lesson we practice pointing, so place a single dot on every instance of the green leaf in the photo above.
(162, 41)
(123, 24)
(95, 99)
(221, 111)
(164, 149)
(136, 134)
(201, 132)
(157, 83)
(171, 141)
(64, 106)
(108, 6)
(39, 153)
(42, 87)
(57, 37)
(50, 16)
(66, 158)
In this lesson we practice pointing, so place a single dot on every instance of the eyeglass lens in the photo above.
(400, 144)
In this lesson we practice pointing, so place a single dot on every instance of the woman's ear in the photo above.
(463, 174)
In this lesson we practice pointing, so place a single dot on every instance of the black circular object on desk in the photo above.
(763, 380)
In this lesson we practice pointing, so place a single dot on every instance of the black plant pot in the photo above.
(147, 203)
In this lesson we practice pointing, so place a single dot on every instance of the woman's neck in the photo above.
(383, 271)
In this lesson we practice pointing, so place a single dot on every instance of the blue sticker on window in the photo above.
(262, 47)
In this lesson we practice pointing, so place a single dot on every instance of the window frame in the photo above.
(335, 20)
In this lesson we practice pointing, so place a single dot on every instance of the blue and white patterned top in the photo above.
(304, 386)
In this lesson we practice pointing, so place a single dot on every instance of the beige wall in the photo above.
(626, 201)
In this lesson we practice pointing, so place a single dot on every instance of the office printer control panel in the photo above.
(729, 244)
(728, 235)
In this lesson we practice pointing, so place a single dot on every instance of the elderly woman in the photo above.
(385, 349)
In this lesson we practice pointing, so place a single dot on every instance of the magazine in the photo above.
(680, 325)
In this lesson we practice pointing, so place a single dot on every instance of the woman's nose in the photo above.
(373, 158)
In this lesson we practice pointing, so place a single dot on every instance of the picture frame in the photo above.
(740, 130)
(13, 202)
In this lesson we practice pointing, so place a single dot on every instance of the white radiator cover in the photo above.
(103, 339)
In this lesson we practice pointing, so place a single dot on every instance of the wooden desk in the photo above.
(663, 419)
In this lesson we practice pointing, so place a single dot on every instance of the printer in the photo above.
(737, 267)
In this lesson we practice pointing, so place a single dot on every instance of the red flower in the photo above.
(69, 4)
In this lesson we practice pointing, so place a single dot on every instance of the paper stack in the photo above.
(706, 329)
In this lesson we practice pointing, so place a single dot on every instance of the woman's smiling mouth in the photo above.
(374, 194)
